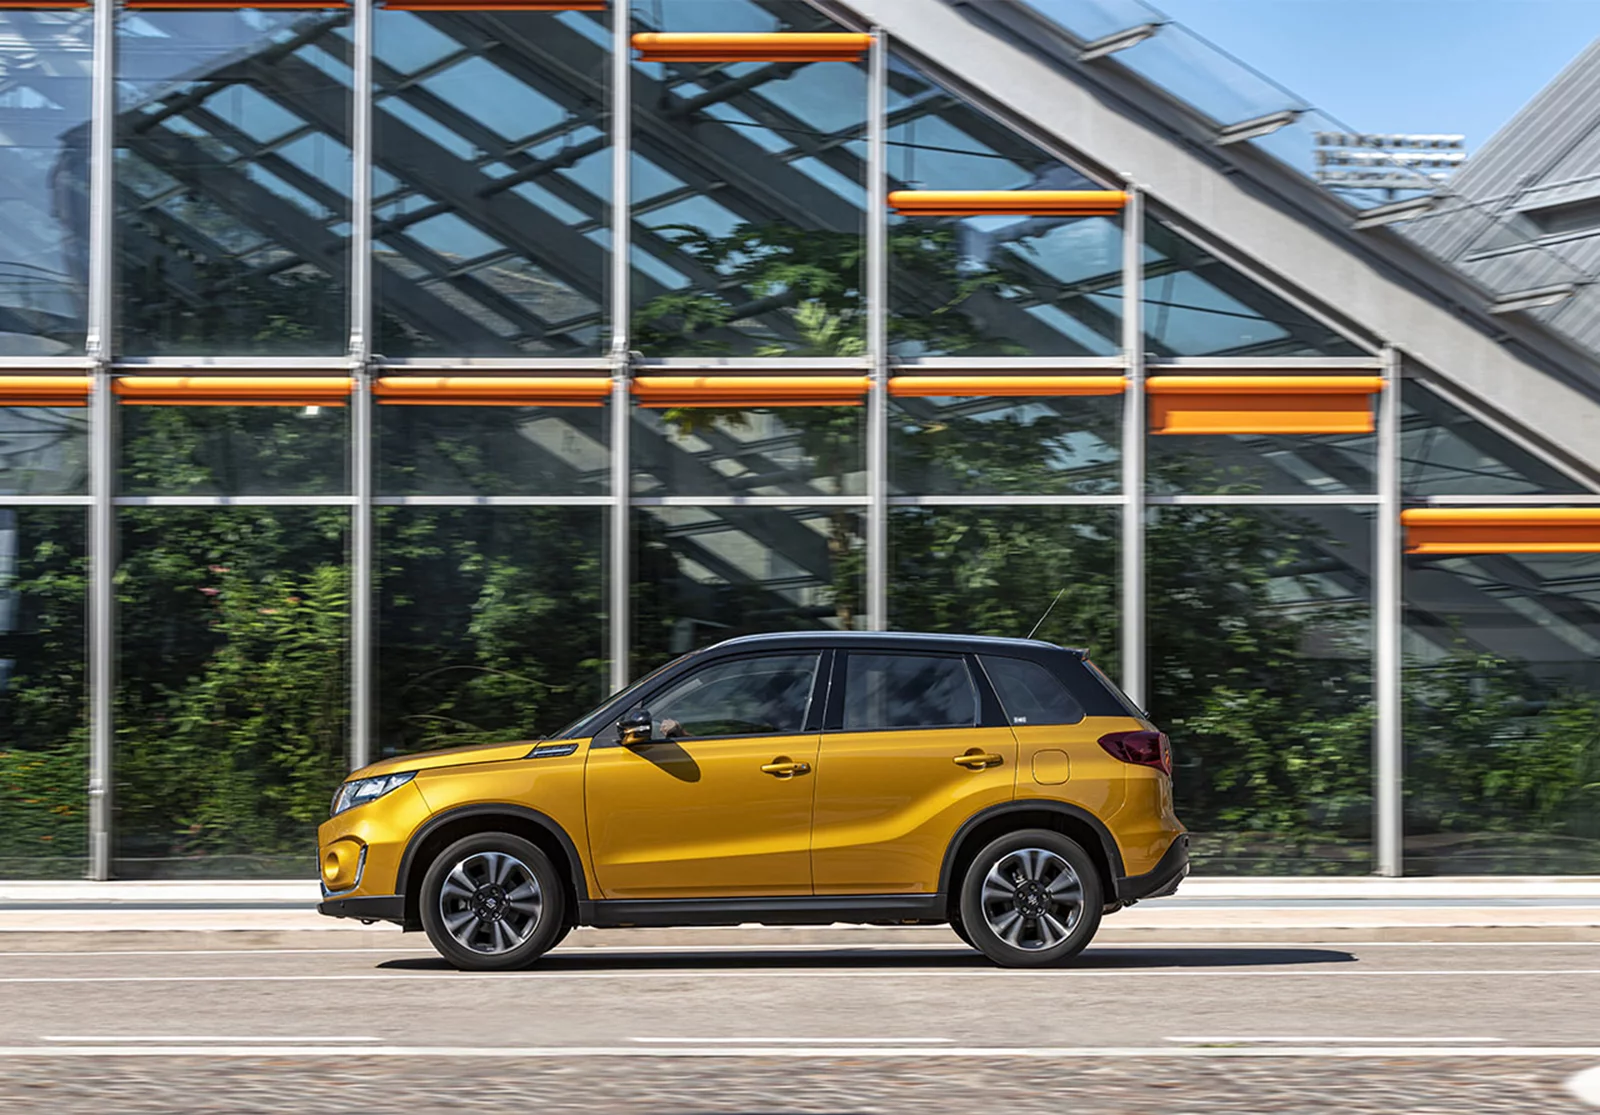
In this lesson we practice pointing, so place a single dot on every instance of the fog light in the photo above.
(342, 863)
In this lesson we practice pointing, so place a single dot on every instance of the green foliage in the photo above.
(231, 707)
(1494, 755)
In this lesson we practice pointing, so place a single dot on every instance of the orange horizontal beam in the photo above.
(749, 391)
(777, 46)
(1502, 530)
(232, 390)
(229, 5)
(517, 391)
(494, 5)
(41, 4)
(971, 203)
(1264, 385)
(44, 391)
(1009, 386)
(1262, 404)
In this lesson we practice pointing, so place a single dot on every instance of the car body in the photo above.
(805, 778)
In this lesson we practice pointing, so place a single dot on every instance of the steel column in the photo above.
(1388, 756)
(102, 523)
(621, 309)
(1134, 667)
(361, 524)
(877, 291)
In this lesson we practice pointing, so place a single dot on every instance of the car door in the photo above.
(912, 748)
(718, 802)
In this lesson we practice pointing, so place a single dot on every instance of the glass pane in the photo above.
(1260, 671)
(1030, 693)
(991, 285)
(491, 623)
(907, 691)
(231, 699)
(492, 182)
(701, 575)
(1005, 446)
(775, 451)
(995, 571)
(1502, 732)
(1445, 451)
(749, 196)
(493, 451)
(764, 696)
(233, 181)
(44, 181)
(231, 450)
(44, 451)
(44, 744)
(1273, 464)
(1197, 305)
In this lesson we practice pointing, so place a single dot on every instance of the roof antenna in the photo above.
(1047, 611)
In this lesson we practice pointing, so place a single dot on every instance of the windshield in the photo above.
(617, 698)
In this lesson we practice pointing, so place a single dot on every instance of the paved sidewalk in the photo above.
(80, 915)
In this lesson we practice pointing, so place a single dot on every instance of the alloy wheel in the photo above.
(1032, 899)
(490, 902)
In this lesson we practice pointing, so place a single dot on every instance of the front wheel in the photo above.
(1031, 899)
(493, 901)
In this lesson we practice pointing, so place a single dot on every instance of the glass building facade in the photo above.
(389, 377)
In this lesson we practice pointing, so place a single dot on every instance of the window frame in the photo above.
(670, 679)
(983, 665)
(987, 712)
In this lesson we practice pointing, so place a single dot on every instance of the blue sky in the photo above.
(1402, 65)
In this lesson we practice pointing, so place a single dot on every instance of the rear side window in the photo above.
(907, 691)
(1030, 693)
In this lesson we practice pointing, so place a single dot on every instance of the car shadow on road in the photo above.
(583, 959)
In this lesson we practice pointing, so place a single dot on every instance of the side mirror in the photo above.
(635, 728)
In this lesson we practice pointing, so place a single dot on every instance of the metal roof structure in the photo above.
(1523, 217)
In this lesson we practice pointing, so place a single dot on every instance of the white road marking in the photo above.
(175, 1039)
(793, 1041)
(699, 974)
(1278, 1040)
(1342, 1052)
(1586, 1086)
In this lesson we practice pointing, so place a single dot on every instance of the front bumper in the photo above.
(380, 907)
(1161, 880)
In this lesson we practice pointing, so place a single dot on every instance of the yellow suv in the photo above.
(1004, 786)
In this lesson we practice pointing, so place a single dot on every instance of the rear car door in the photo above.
(718, 802)
(913, 745)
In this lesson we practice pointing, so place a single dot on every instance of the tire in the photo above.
(492, 902)
(961, 931)
(1031, 899)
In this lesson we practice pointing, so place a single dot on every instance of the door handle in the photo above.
(784, 767)
(978, 760)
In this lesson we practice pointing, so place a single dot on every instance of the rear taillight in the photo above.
(1145, 749)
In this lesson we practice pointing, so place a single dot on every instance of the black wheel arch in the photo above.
(450, 825)
(1071, 820)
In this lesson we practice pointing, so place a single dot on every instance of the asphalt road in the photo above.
(1336, 1028)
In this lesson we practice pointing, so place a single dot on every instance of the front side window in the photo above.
(1030, 693)
(907, 691)
(764, 696)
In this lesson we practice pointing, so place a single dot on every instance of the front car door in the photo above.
(914, 746)
(718, 803)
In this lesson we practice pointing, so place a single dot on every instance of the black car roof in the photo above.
(898, 640)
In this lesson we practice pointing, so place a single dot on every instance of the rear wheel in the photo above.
(493, 901)
(1031, 899)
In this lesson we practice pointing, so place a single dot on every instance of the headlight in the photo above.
(363, 790)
